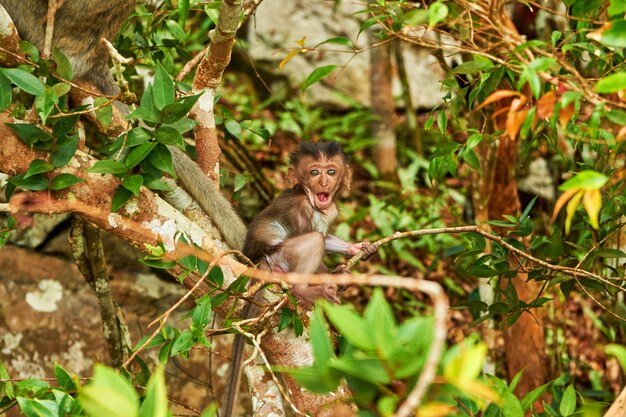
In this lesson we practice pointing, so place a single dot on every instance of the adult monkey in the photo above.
(78, 27)
(291, 235)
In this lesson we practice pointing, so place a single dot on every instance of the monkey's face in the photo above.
(321, 178)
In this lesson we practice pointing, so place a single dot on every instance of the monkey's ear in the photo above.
(292, 178)
(346, 182)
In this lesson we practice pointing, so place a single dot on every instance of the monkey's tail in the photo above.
(214, 204)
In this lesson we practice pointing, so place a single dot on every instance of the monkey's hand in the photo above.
(366, 247)
(308, 294)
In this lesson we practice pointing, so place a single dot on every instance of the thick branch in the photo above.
(207, 78)
(89, 257)
(10, 53)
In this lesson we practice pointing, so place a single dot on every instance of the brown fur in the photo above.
(78, 27)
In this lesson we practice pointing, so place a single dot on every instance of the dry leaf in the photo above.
(545, 105)
(289, 56)
(566, 113)
(592, 201)
(498, 95)
(514, 119)
(570, 209)
(560, 202)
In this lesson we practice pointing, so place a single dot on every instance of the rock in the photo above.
(48, 314)
(278, 25)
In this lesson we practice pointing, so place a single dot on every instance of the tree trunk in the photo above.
(496, 196)
(383, 107)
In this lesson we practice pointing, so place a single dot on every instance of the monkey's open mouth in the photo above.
(322, 197)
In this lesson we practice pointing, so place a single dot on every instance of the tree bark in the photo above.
(206, 80)
(383, 107)
(497, 195)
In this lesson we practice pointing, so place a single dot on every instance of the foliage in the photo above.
(559, 95)
(108, 394)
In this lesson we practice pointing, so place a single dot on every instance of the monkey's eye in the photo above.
(332, 172)
(314, 172)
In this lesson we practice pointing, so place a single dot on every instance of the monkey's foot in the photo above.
(308, 294)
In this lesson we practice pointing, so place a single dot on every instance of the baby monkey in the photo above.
(291, 234)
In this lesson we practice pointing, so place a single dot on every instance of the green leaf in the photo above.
(147, 115)
(66, 124)
(6, 388)
(121, 196)
(24, 80)
(314, 380)
(211, 410)
(286, 318)
(64, 67)
(176, 29)
(612, 83)
(61, 89)
(155, 403)
(109, 395)
(183, 11)
(240, 182)
(38, 166)
(133, 183)
(585, 180)
(64, 180)
(471, 67)
(64, 378)
(382, 324)
(353, 327)
(183, 125)
(616, 350)
(30, 133)
(175, 111)
(614, 36)
(532, 396)
(139, 153)
(137, 136)
(442, 121)
(45, 104)
(168, 136)
(320, 339)
(201, 313)
(467, 364)
(367, 369)
(568, 402)
(6, 94)
(317, 75)
(416, 17)
(65, 151)
(233, 127)
(38, 408)
(436, 13)
(339, 40)
(156, 184)
(368, 24)
(161, 158)
(104, 114)
(616, 7)
(510, 406)
(35, 183)
(163, 87)
(183, 343)
(108, 166)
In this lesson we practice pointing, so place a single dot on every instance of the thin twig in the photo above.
(574, 271)
(165, 316)
(49, 34)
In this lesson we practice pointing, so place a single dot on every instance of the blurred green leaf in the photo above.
(317, 75)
